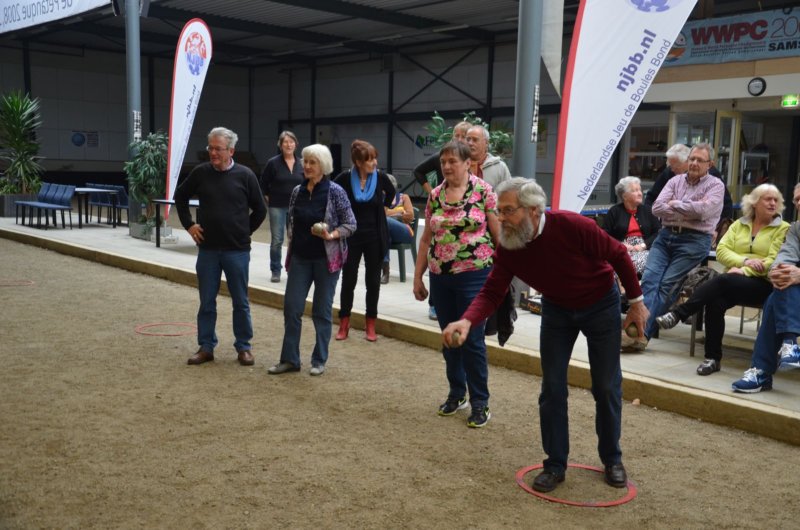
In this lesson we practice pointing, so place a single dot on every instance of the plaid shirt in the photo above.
(699, 206)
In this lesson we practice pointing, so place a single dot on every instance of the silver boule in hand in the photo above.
(319, 228)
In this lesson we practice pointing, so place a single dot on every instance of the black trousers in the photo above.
(373, 259)
(717, 296)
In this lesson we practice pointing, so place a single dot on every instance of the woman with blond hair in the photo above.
(747, 250)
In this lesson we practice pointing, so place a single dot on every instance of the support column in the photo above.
(526, 115)
(134, 84)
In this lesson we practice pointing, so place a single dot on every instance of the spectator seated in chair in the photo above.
(776, 343)
(747, 250)
(689, 207)
(632, 222)
(399, 217)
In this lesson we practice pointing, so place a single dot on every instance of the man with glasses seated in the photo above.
(233, 208)
(689, 207)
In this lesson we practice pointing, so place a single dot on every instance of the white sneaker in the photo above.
(789, 357)
(317, 370)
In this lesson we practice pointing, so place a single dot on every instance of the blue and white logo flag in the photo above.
(192, 58)
(617, 48)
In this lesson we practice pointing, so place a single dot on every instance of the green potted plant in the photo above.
(147, 174)
(20, 175)
(501, 139)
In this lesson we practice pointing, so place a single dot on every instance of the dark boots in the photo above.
(385, 273)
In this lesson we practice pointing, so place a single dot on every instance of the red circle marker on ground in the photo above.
(16, 283)
(630, 495)
(140, 329)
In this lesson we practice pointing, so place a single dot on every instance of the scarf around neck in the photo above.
(369, 190)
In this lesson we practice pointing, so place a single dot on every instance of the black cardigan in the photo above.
(618, 219)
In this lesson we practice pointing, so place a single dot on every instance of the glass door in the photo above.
(728, 129)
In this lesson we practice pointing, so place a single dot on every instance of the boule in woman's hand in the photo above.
(319, 229)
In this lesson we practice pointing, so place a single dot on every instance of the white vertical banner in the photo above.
(192, 58)
(617, 49)
(552, 39)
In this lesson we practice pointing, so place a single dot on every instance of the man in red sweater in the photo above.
(571, 261)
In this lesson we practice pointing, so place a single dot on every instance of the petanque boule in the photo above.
(319, 228)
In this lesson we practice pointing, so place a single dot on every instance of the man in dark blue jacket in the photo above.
(232, 207)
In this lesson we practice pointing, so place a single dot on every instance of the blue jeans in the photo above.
(277, 227)
(398, 233)
(671, 257)
(600, 323)
(466, 366)
(781, 314)
(236, 266)
(302, 273)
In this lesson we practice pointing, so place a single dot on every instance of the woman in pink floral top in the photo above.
(457, 246)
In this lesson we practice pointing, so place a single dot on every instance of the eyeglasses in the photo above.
(508, 211)
(214, 149)
(698, 160)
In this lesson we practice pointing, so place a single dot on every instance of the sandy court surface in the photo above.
(106, 428)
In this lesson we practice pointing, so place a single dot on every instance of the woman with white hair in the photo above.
(747, 249)
(632, 222)
(320, 220)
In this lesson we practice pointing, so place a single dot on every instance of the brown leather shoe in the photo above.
(201, 357)
(246, 358)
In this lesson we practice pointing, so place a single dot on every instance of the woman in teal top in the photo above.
(457, 245)
(747, 250)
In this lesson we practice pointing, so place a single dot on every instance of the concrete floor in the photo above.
(663, 377)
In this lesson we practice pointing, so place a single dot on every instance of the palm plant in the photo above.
(147, 170)
(19, 119)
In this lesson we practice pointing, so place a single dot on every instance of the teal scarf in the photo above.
(369, 189)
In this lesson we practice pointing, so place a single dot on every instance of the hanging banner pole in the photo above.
(192, 59)
(617, 48)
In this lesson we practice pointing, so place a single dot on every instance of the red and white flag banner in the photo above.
(192, 59)
(617, 48)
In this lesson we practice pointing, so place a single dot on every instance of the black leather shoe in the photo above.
(547, 481)
(201, 357)
(616, 475)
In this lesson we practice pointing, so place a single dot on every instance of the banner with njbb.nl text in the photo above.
(192, 58)
(617, 49)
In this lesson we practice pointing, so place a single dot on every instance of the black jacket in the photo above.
(617, 220)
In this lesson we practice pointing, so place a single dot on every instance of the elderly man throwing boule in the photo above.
(571, 261)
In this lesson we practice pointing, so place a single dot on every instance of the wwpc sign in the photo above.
(192, 58)
(617, 49)
(20, 14)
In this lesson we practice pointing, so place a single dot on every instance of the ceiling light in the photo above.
(450, 28)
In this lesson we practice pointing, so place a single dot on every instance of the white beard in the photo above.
(516, 237)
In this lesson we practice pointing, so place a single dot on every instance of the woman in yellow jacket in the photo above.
(747, 250)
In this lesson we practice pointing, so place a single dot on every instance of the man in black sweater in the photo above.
(232, 208)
